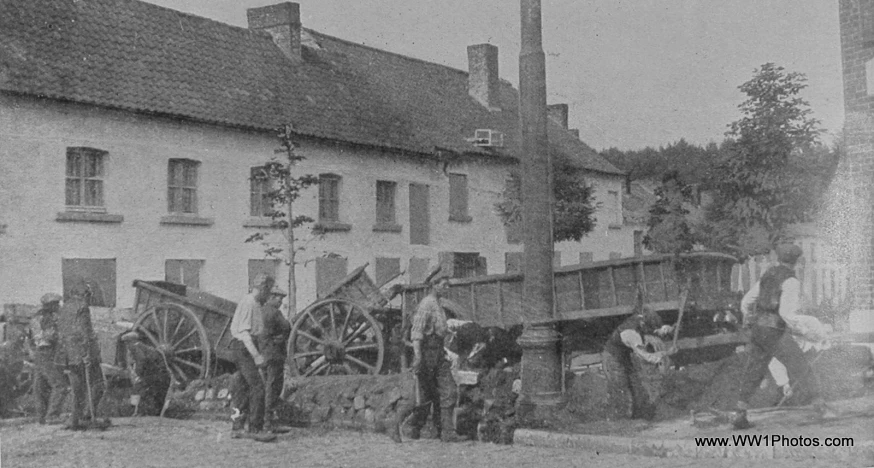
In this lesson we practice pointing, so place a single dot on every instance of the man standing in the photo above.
(767, 308)
(272, 344)
(50, 383)
(248, 398)
(430, 363)
(80, 357)
(626, 391)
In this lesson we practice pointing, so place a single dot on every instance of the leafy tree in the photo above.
(669, 229)
(285, 189)
(764, 180)
(573, 202)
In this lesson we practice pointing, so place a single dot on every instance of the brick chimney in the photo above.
(558, 114)
(857, 50)
(483, 83)
(282, 22)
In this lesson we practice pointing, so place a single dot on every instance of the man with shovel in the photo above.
(79, 355)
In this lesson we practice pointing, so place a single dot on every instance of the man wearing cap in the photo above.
(767, 307)
(625, 389)
(50, 383)
(79, 355)
(248, 399)
(430, 363)
(272, 344)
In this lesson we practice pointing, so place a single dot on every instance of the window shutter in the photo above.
(329, 271)
(96, 273)
(513, 262)
(481, 266)
(385, 202)
(386, 269)
(419, 215)
(418, 269)
(447, 263)
(458, 197)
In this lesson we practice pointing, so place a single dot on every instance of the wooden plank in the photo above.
(614, 311)
(613, 286)
(713, 340)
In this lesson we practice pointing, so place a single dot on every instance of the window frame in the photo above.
(329, 201)
(84, 155)
(188, 184)
(260, 186)
(386, 202)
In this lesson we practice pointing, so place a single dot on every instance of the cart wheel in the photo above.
(180, 337)
(335, 336)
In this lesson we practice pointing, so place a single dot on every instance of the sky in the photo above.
(634, 73)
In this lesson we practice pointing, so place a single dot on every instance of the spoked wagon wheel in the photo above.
(178, 335)
(335, 336)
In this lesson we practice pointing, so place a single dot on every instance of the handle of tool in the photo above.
(684, 295)
(87, 366)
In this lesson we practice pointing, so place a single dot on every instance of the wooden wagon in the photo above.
(591, 299)
(190, 328)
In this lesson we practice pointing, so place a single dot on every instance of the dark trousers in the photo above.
(625, 390)
(249, 394)
(436, 386)
(50, 385)
(805, 385)
(79, 383)
(273, 373)
(764, 341)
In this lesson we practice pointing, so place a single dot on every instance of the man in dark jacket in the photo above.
(626, 391)
(80, 357)
(50, 384)
(272, 343)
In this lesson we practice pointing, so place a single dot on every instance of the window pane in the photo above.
(173, 199)
(73, 167)
(73, 186)
(94, 192)
(189, 201)
(190, 174)
(93, 166)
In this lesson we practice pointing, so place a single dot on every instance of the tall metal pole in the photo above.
(541, 367)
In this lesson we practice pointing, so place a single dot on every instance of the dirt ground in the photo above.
(156, 442)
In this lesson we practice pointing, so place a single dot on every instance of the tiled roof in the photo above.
(136, 56)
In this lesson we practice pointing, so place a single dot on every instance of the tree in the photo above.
(285, 188)
(573, 202)
(763, 181)
(670, 231)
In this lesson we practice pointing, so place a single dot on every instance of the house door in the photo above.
(420, 218)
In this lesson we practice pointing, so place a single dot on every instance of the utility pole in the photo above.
(541, 366)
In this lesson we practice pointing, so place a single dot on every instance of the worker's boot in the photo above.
(447, 433)
(739, 419)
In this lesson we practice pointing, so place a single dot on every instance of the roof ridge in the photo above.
(183, 14)
(388, 52)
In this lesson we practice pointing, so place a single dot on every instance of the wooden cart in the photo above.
(188, 326)
(347, 331)
(591, 299)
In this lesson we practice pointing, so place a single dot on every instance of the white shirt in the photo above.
(790, 299)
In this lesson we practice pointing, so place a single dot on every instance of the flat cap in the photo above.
(277, 291)
(788, 253)
(48, 298)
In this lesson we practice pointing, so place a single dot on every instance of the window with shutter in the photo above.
(513, 262)
(84, 181)
(386, 269)
(184, 271)
(267, 266)
(329, 198)
(329, 272)
(458, 198)
(95, 274)
(182, 186)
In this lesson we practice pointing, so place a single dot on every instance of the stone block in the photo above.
(358, 402)
(369, 416)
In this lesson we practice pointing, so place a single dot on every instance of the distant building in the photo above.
(129, 133)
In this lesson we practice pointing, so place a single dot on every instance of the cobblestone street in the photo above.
(155, 442)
